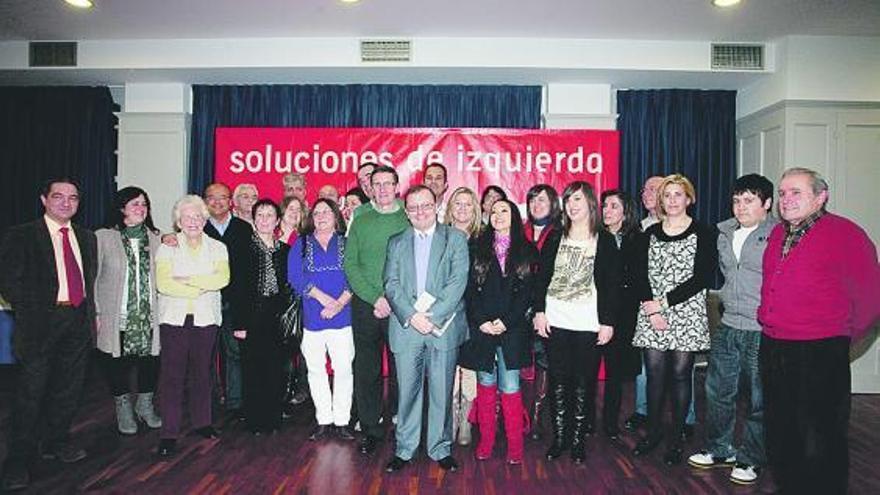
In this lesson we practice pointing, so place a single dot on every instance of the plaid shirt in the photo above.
(794, 233)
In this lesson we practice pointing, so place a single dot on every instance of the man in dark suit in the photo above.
(235, 233)
(426, 271)
(48, 276)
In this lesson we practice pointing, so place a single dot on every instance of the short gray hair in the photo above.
(186, 201)
(239, 188)
(817, 181)
(291, 177)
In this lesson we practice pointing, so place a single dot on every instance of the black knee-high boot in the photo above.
(558, 414)
(579, 425)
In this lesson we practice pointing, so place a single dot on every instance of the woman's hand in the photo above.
(652, 306)
(331, 309)
(606, 333)
(658, 322)
(488, 328)
(240, 334)
(499, 326)
(542, 326)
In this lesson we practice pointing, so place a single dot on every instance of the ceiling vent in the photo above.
(386, 50)
(736, 56)
(52, 54)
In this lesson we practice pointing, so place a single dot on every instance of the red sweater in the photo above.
(827, 286)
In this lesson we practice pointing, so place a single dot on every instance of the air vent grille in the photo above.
(737, 57)
(386, 50)
(52, 54)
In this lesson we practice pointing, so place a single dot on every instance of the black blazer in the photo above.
(236, 237)
(29, 280)
(507, 298)
(606, 274)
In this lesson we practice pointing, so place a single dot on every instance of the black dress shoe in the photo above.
(67, 453)
(320, 432)
(673, 456)
(368, 445)
(207, 432)
(646, 445)
(634, 422)
(167, 447)
(612, 432)
(395, 464)
(15, 477)
(345, 433)
(448, 463)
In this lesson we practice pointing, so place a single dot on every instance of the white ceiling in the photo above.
(753, 20)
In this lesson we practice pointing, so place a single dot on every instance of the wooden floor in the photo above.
(287, 462)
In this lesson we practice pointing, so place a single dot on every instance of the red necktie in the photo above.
(71, 267)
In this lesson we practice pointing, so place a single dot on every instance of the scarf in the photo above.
(502, 246)
(136, 318)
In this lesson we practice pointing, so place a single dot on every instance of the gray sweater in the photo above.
(109, 285)
(741, 293)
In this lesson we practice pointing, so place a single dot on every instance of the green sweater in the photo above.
(365, 250)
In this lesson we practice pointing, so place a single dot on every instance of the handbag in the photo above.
(291, 323)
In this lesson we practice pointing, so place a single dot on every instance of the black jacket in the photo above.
(606, 274)
(236, 237)
(507, 298)
(246, 302)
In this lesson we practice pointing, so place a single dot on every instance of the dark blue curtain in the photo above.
(691, 132)
(47, 132)
(357, 105)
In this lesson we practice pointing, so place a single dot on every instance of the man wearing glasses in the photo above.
(425, 279)
(364, 259)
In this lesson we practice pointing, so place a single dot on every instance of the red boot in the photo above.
(512, 406)
(486, 419)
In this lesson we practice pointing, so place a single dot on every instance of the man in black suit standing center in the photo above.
(48, 276)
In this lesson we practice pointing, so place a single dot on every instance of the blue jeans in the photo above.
(734, 354)
(642, 398)
(507, 380)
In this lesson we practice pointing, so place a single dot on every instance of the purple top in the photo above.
(321, 269)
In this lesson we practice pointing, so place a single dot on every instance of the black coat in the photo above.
(246, 302)
(630, 357)
(606, 274)
(507, 298)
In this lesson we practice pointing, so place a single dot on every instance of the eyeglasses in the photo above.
(421, 207)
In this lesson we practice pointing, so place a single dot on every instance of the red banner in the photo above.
(514, 159)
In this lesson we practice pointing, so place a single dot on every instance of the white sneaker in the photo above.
(704, 460)
(744, 474)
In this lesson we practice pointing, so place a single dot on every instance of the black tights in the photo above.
(668, 371)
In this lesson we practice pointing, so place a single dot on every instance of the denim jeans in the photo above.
(642, 398)
(507, 380)
(734, 355)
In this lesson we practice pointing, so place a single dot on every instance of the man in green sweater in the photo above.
(364, 264)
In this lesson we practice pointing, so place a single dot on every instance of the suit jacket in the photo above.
(447, 280)
(29, 280)
(237, 238)
(110, 284)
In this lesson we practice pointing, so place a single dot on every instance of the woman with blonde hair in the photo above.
(463, 212)
(671, 276)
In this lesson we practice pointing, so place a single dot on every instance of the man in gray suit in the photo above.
(426, 273)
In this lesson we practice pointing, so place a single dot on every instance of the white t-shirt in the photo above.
(571, 296)
(739, 239)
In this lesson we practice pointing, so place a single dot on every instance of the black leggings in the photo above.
(668, 371)
(118, 372)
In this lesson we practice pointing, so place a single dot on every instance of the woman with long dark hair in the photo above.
(544, 214)
(575, 310)
(263, 294)
(622, 361)
(676, 262)
(500, 289)
(126, 307)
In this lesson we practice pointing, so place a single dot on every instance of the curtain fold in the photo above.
(691, 132)
(48, 132)
(355, 105)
